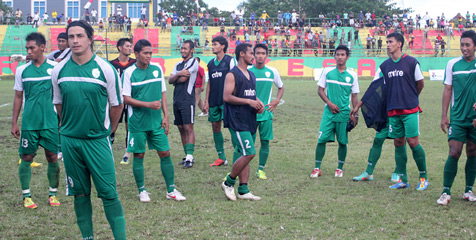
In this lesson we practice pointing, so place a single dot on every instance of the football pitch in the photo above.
(293, 206)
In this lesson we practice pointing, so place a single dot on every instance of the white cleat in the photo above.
(229, 191)
(339, 173)
(176, 195)
(144, 197)
(249, 196)
(444, 199)
(315, 173)
(469, 196)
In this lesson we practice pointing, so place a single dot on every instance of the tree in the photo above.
(182, 6)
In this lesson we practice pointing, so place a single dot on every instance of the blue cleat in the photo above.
(400, 185)
(363, 177)
(422, 185)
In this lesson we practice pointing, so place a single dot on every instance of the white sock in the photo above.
(189, 157)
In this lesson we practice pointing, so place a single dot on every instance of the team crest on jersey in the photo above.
(347, 79)
(96, 73)
(155, 73)
(49, 71)
(268, 74)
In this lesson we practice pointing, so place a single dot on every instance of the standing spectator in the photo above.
(60, 18)
(426, 18)
(143, 12)
(86, 16)
(94, 14)
(1, 16)
(119, 10)
(175, 18)
(54, 16)
(287, 17)
(29, 19)
(36, 18)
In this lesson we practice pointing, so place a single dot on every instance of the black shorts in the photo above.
(184, 114)
(124, 114)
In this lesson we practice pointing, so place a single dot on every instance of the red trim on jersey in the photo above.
(397, 112)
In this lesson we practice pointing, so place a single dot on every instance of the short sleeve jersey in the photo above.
(86, 92)
(35, 82)
(184, 92)
(120, 66)
(144, 85)
(461, 75)
(339, 87)
(217, 71)
(265, 78)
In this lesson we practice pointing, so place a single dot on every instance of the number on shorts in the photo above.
(247, 144)
(24, 143)
(320, 134)
(450, 130)
(131, 142)
(390, 129)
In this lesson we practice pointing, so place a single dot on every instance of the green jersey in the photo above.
(461, 75)
(35, 82)
(339, 87)
(145, 85)
(86, 92)
(265, 78)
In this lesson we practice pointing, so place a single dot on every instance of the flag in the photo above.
(196, 1)
(88, 4)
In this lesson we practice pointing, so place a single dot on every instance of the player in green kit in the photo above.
(144, 92)
(337, 85)
(87, 96)
(40, 123)
(460, 90)
(265, 78)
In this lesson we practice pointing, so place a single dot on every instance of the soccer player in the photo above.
(337, 85)
(265, 77)
(87, 95)
(240, 108)
(183, 78)
(404, 81)
(217, 70)
(40, 123)
(144, 92)
(62, 51)
(460, 89)
(121, 63)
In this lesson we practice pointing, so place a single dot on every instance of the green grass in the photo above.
(293, 206)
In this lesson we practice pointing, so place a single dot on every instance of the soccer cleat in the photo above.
(144, 197)
(229, 191)
(395, 178)
(339, 173)
(202, 114)
(261, 175)
(422, 185)
(182, 162)
(444, 199)
(219, 162)
(53, 201)
(175, 195)
(33, 164)
(400, 185)
(469, 196)
(364, 177)
(188, 164)
(125, 160)
(249, 196)
(28, 203)
(315, 173)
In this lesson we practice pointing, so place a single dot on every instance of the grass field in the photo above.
(293, 206)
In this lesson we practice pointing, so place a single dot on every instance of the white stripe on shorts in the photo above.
(241, 143)
(191, 115)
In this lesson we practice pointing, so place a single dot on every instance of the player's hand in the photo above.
(202, 88)
(474, 107)
(205, 107)
(156, 105)
(272, 105)
(257, 105)
(445, 124)
(165, 125)
(474, 123)
(354, 111)
(16, 131)
(334, 108)
(184, 73)
(355, 119)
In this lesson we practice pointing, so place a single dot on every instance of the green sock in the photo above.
(167, 168)
(139, 175)
(24, 172)
(218, 138)
(185, 149)
(243, 188)
(401, 160)
(53, 177)
(263, 154)
(236, 155)
(84, 215)
(115, 217)
(470, 172)
(420, 160)
(189, 148)
(374, 155)
(449, 174)
(341, 154)
(320, 151)
(230, 181)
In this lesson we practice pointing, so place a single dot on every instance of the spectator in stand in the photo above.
(238, 42)
(175, 18)
(54, 16)
(287, 17)
(426, 18)
(86, 16)
(29, 19)
(1, 16)
(36, 18)
(94, 14)
(374, 19)
(143, 13)
(280, 17)
(442, 44)
(379, 45)
(207, 19)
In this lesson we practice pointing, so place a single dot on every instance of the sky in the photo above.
(433, 7)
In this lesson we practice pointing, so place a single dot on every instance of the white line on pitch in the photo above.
(4, 105)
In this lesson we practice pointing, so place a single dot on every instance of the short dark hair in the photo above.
(62, 35)
(87, 28)
(141, 44)
(222, 41)
(37, 37)
(198, 59)
(469, 34)
(260, 45)
(399, 37)
(190, 43)
(241, 48)
(122, 41)
(343, 47)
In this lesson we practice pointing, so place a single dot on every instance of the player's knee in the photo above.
(413, 142)
(455, 153)
(163, 154)
(399, 142)
(139, 155)
(51, 157)
(27, 157)
(216, 126)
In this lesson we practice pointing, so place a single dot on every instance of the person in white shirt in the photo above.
(94, 14)
(143, 12)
